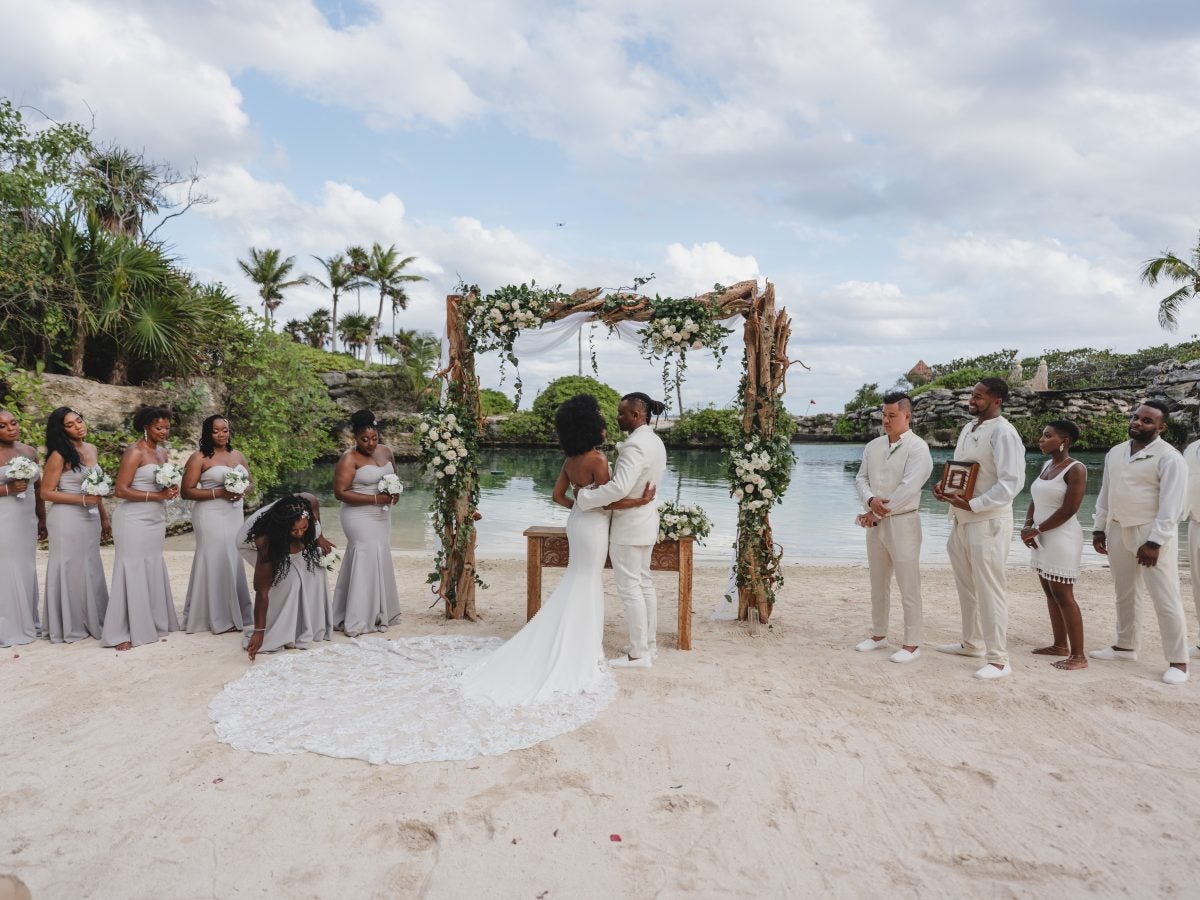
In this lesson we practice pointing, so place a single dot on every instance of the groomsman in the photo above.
(1142, 498)
(895, 467)
(1191, 456)
(981, 528)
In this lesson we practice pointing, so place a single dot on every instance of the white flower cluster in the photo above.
(442, 443)
(331, 559)
(96, 483)
(390, 484)
(673, 334)
(749, 464)
(676, 521)
(168, 475)
(237, 480)
(503, 316)
(22, 468)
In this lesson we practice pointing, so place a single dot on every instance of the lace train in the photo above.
(396, 702)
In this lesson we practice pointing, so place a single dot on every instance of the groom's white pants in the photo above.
(631, 569)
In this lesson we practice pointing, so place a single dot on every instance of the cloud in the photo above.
(695, 269)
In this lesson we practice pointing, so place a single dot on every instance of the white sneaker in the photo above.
(1175, 676)
(869, 644)
(628, 647)
(959, 649)
(1194, 652)
(990, 671)
(903, 656)
(624, 662)
(1111, 653)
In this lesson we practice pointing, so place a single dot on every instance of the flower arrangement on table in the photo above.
(22, 468)
(168, 475)
(677, 521)
(237, 480)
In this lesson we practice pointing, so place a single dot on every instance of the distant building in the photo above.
(919, 374)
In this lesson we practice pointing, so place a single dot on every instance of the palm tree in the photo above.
(340, 276)
(358, 262)
(355, 331)
(316, 328)
(1172, 268)
(123, 189)
(385, 271)
(270, 271)
(295, 329)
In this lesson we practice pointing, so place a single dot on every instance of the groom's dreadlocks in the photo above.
(649, 406)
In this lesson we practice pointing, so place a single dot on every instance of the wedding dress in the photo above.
(424, 699)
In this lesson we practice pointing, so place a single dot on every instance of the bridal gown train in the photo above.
(425, 699)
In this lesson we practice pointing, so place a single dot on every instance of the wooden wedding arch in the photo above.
(764, 371)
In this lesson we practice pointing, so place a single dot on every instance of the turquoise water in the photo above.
(814, 523)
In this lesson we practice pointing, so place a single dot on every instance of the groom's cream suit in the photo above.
(641, 460)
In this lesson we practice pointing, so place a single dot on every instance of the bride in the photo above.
(450, 697)
(561, 649)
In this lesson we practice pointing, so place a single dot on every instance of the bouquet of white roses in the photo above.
(390, 484)
(22, 468)
(168, 475)
(331, 559)
(96, 484)
(237, 480)
(676, 521)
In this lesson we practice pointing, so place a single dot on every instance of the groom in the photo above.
(641, 460)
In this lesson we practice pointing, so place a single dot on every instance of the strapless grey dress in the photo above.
(140, 608)
(365, 598)
(218, 597)
(18, 567)
(76, 591)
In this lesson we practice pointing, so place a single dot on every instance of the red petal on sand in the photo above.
(615, 838)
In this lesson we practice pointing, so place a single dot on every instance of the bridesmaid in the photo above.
(140, 608)
(365, 598)
(218, 598)
(76, 592)
(22, 524)
(291, 596)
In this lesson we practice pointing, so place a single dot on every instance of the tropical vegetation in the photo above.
(1171, 268)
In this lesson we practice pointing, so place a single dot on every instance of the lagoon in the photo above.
(813, 524)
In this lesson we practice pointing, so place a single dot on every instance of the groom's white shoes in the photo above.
(624, 662)
(628, 647)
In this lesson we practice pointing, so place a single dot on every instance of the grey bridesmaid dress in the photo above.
(218, 597)
(18, 565)
(76, 591)
(140, 608)
(298, 608)
(365, 598)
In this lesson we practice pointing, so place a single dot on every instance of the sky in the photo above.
(919, 181)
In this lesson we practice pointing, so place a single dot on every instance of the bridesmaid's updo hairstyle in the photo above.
(276, 525)
(649, 407)
(1066, 429)
(147, 415)
(57, 440)
(580, 425)
(207, 448)
(361, 420)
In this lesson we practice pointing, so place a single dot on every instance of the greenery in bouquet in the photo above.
(677, 521)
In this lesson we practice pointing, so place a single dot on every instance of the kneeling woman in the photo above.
(291, 596)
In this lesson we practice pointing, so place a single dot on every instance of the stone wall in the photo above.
(378, 390)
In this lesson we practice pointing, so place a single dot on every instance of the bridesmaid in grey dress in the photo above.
(291, 595)
(218, 598)
(22, 522)
(365, 598)
(76, 591)
(140, 608)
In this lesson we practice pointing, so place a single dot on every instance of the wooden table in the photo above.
(547, 547)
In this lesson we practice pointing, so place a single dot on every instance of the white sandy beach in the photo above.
(778, 765)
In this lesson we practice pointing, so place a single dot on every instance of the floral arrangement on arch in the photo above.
(449, 456)
(677, 521)
(493, 321)
(676, 326)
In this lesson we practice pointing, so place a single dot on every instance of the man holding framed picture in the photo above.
(980, 484)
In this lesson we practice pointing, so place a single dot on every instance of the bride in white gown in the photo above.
(446, 698)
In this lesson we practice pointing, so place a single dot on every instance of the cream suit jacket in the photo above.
(641, 460)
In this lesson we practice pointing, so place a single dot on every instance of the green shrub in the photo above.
(524, 427)
(959, 379)
(706, 427)
(560, 390)
(322, 361)
(494, 403)
(843, 426)
(1107, 431)
(1030, 427)
(867, 395)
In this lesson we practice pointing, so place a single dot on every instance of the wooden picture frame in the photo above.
(958, 478)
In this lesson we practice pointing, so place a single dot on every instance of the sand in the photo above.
(782, 764)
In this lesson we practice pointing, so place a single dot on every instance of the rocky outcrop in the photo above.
(110, 407)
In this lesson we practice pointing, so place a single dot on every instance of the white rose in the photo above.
(436, 461)
(696, 345)
(749, 487)
(749, 446)
(441, 447)
(424, 427)
(768, 493)
(450, 469)
(446, 435)
(757, 479)
(451, 418)
(737, 495)
(504, 329)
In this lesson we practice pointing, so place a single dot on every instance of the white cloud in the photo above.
(695, 269)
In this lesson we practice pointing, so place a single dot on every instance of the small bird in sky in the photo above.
(560, 224)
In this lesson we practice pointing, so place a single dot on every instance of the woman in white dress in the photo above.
(1055, 539)
(560, 650)
(22, 522)
(365, 598)
(291, 596)
(218, 598)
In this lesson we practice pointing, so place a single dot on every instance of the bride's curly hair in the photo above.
(276, 524)
(580, 425)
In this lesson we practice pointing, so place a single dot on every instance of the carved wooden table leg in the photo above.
(533, 577)
(685, 595)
